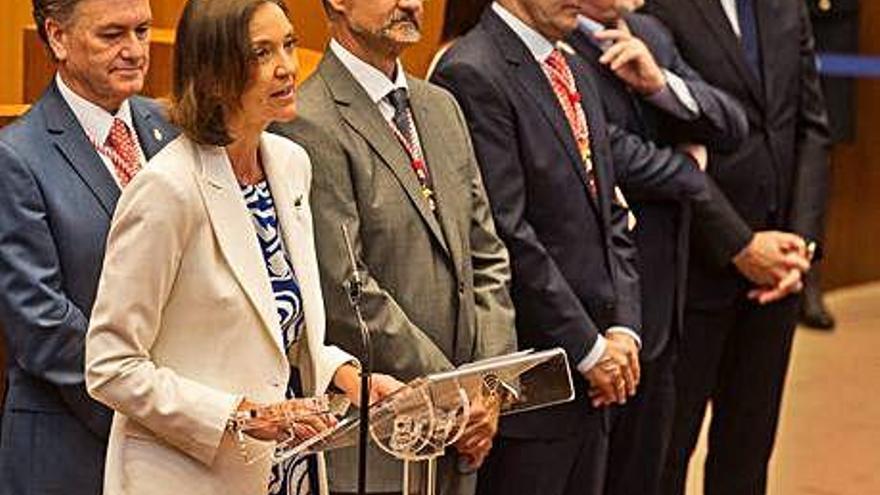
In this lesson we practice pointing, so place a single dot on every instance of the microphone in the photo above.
(353, 286)
(354, 289)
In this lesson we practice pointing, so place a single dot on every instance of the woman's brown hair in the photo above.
(213, 62)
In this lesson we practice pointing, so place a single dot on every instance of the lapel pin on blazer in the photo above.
(158, 135)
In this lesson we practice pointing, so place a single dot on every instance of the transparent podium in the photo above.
(418, 422)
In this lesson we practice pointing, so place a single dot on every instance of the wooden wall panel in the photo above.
(310, 23)
(39, 70)
(14, 15)
(17, 60)
(8, 113)
(166, 13)
(14, 61)
(853, 235)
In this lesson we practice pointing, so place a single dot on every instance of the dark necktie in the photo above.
(405, 131)
(748, 28)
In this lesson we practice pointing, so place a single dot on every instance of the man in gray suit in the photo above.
(61, 169)
(393, 162)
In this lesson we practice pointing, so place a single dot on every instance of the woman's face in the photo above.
(271, 94)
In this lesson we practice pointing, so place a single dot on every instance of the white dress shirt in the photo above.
(96, 123)
(675, 98)
(374, 81)
(730, 9)
(541, 48)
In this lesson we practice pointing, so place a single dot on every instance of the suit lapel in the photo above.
(532, 81)
(717, 19)
(364, 118)
(434, 140)
(237, 236)
(591, 105)
(68, 137)
(152, 133)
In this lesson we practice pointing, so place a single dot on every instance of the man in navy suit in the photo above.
(649, 90)
(62, 166)
(547, 158)
(735, 351)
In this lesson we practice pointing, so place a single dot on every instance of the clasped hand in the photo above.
(775, 262)
(617, 374)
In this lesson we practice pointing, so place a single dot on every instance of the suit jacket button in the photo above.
(461, 288)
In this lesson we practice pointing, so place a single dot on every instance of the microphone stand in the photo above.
(354, 288)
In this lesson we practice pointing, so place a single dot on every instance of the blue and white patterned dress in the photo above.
(297, 475)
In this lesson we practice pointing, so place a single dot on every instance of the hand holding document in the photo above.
(288, 424)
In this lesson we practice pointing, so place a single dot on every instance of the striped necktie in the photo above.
(405, 131)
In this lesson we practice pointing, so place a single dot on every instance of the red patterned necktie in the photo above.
(562, 80)
(124, 153)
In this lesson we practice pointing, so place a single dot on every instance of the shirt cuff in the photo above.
(593, 356)
(627, 331)
(675, 98)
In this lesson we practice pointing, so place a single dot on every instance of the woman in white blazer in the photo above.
(210, 291)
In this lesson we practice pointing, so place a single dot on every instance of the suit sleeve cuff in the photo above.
(628, 331)
(593, 356)
(675, 98)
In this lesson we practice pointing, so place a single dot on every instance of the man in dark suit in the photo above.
(393, 162)
(735, 350)
(836, 27)
(61, 169)
(547, 157)
(649, 90)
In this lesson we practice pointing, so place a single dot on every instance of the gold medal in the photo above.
(824, 5)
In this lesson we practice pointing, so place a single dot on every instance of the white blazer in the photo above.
(185, 323)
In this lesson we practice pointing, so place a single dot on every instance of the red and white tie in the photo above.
(123, 152)
(561, 79)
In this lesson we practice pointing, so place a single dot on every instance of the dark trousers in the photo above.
(641, 430)
(569, 466)
(46, 453)
(737, 357)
